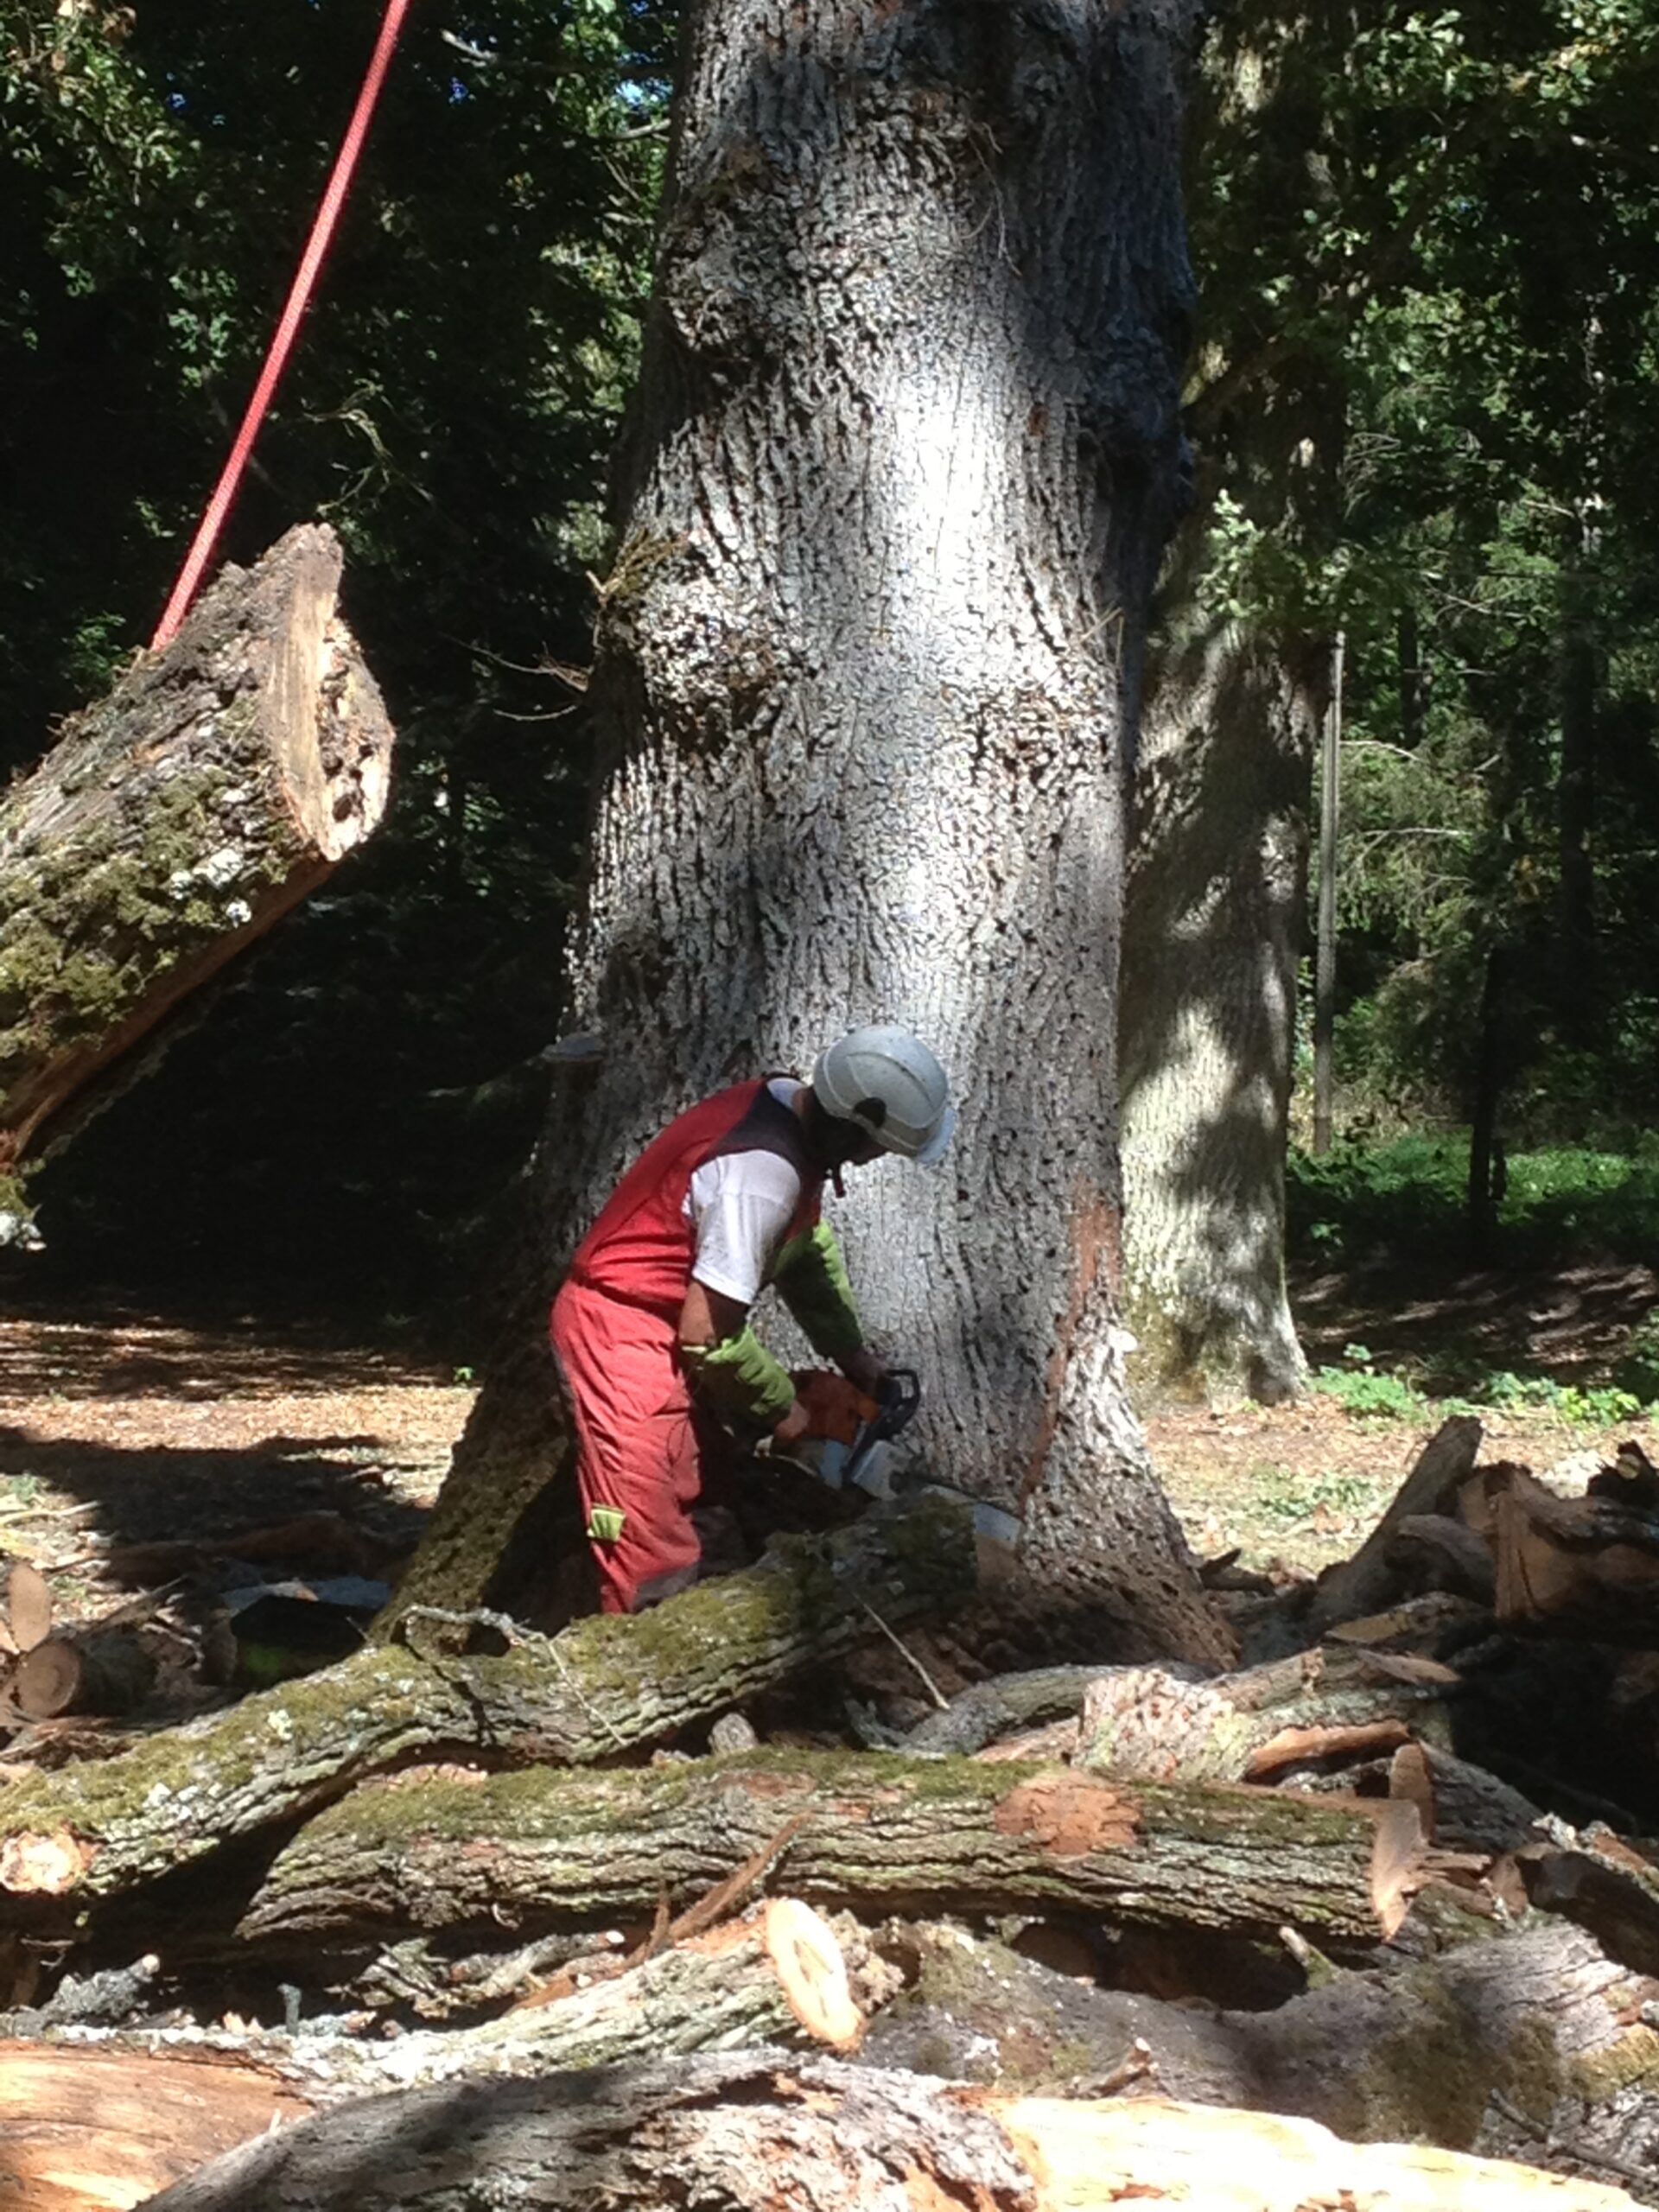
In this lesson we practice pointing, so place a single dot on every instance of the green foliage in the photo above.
(1362, 1390)
(1282, 1497)
(1410, 1195)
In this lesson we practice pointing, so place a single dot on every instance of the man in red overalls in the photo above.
(650, 1330)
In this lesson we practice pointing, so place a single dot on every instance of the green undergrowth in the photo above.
(1370, 1392)
(1408, 1198)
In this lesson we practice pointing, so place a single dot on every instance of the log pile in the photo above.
(1214, 1940)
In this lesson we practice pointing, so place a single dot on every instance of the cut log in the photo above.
(1577, 1564)
(106, 1672)
(87, 2129)
(757, 2131)
(427, 1852)
(1369, 1581)
(1541, 2019)
(220, 781)
(776, 1975)
(603, 1686)
(29, 1607)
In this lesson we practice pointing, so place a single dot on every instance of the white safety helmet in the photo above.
(889, 1084)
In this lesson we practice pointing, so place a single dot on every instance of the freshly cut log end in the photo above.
(85, 2130)
(101, 1673)
(29, 1607)
(175, 821)
(802, 1948)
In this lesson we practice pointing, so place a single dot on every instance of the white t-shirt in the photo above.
(742, 1203)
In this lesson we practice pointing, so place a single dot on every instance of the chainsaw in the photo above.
(867, 1463)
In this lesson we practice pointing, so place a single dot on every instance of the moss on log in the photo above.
(94, 1830)
(863, 1829)
(175, 821)
(1541, 2019)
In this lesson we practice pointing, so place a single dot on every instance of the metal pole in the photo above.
(1325, 974)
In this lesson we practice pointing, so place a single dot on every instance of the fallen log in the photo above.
(1542, 2019)
(603, 1686)
(429, 1851)
(1370, 1580)
(776, 1977)
(220, 782)
(759, 2130)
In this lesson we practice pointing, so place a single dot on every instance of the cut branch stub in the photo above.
(175, 821)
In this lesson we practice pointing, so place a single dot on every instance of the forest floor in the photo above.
(120, 1426)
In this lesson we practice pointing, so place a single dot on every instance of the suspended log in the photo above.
(756, 2131)
(431, 1852)
(220, 782)
(603, 1686)
(1370, 1580)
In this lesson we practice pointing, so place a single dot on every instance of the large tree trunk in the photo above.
(172, 824)
(1542, 2019)
(751, 2132)
(899, 472)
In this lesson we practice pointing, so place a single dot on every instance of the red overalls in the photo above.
(643, 1448)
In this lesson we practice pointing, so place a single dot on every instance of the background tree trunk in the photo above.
(1212, 936)
(901, 464)
(220, 783)
(1238, 678)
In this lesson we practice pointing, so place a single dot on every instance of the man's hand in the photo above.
(796, 1424)
(865, 1370)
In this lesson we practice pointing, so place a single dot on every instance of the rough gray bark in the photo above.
(1542, 2018)
(856, 1828)
(900, 468)
(102, 1827)
(220, 783)
(1212, 936)
(1237, 679)
(759, 2130)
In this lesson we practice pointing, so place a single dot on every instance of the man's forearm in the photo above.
(812, 1280)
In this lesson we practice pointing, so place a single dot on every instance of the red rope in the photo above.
(298, 297)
